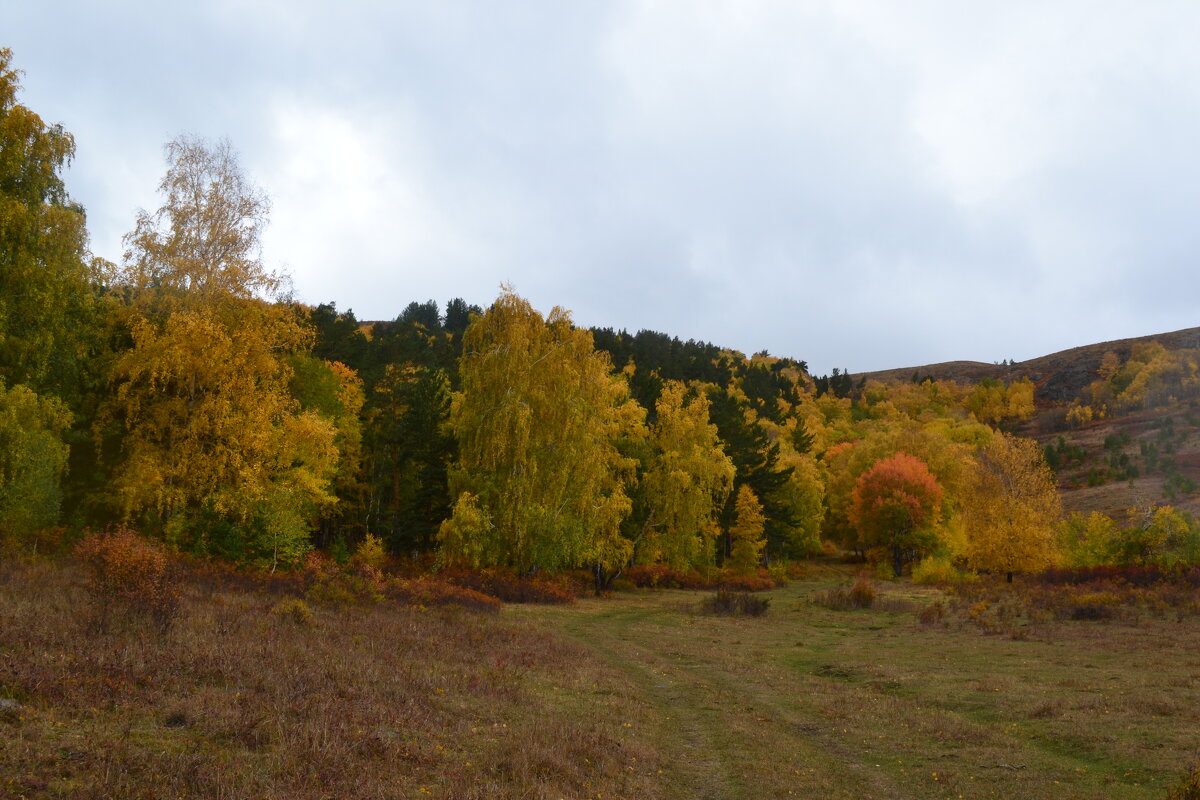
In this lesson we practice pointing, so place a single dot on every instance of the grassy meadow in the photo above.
(923, 695)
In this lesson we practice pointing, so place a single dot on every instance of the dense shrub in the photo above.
(129, 575)
(1141, 576)
(932, 613)
(660, 576)
(433, 592)
(370, 553)
(294, 610)
(936, 571)
(360, 584)
(210, 575)
(1095, 607)
(729, 603)
(861, 594)
(506, 585)
(741, 582)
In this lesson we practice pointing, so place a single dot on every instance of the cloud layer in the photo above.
(864, 185)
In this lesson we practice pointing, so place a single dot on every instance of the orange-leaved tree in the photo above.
(895, 504)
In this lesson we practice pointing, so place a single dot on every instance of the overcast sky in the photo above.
(858, 184)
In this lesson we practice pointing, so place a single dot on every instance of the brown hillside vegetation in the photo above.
(1095, 474)
(1089, 484)
(1059, 377)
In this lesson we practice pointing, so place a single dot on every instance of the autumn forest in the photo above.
(180, 410)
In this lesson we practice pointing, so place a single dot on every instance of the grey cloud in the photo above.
(844, 184)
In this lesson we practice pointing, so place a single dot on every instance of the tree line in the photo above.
(185, 392)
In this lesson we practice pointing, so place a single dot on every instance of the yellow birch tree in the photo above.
(747, 539)
(1012, 508)
(215, 451)
(539, 482)
(686, 483)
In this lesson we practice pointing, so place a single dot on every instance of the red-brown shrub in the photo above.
(505, 585)
(209, 575)
(433, 592)
(741, 582)
(663, 577)
(130, 574)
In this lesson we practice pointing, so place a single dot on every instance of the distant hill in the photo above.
(1110, 465)
(1059, 377)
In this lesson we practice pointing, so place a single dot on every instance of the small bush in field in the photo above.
(370, 553)
(861, 594)
(131, 575)
(729, 603)
(932, 613)
(933, 570)
(433, 592)
(1188, 788)
(883, 571)
(779, 571)
(1095, 605)
(361, 585)
(294, 610)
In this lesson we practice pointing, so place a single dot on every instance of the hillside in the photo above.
(1133, 460)
(1059, 377)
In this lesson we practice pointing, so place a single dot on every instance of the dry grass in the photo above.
(818, 702)
(728, 603)
(245, 698)
(255, 694)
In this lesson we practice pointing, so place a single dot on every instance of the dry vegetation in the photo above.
(252, 694)
(893, 702)
(901, 691)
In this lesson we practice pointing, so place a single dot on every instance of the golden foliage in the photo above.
(746, 534)
(539, 480)
(33, 458)
(1012, 508)
(202, 397)
(992, 402)
(45, 291)
(686, 483)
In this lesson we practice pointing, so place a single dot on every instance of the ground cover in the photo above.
(814, 702)
(637, 695)
(260, 695)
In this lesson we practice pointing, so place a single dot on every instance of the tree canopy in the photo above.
(539, 482)
(895, 504)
